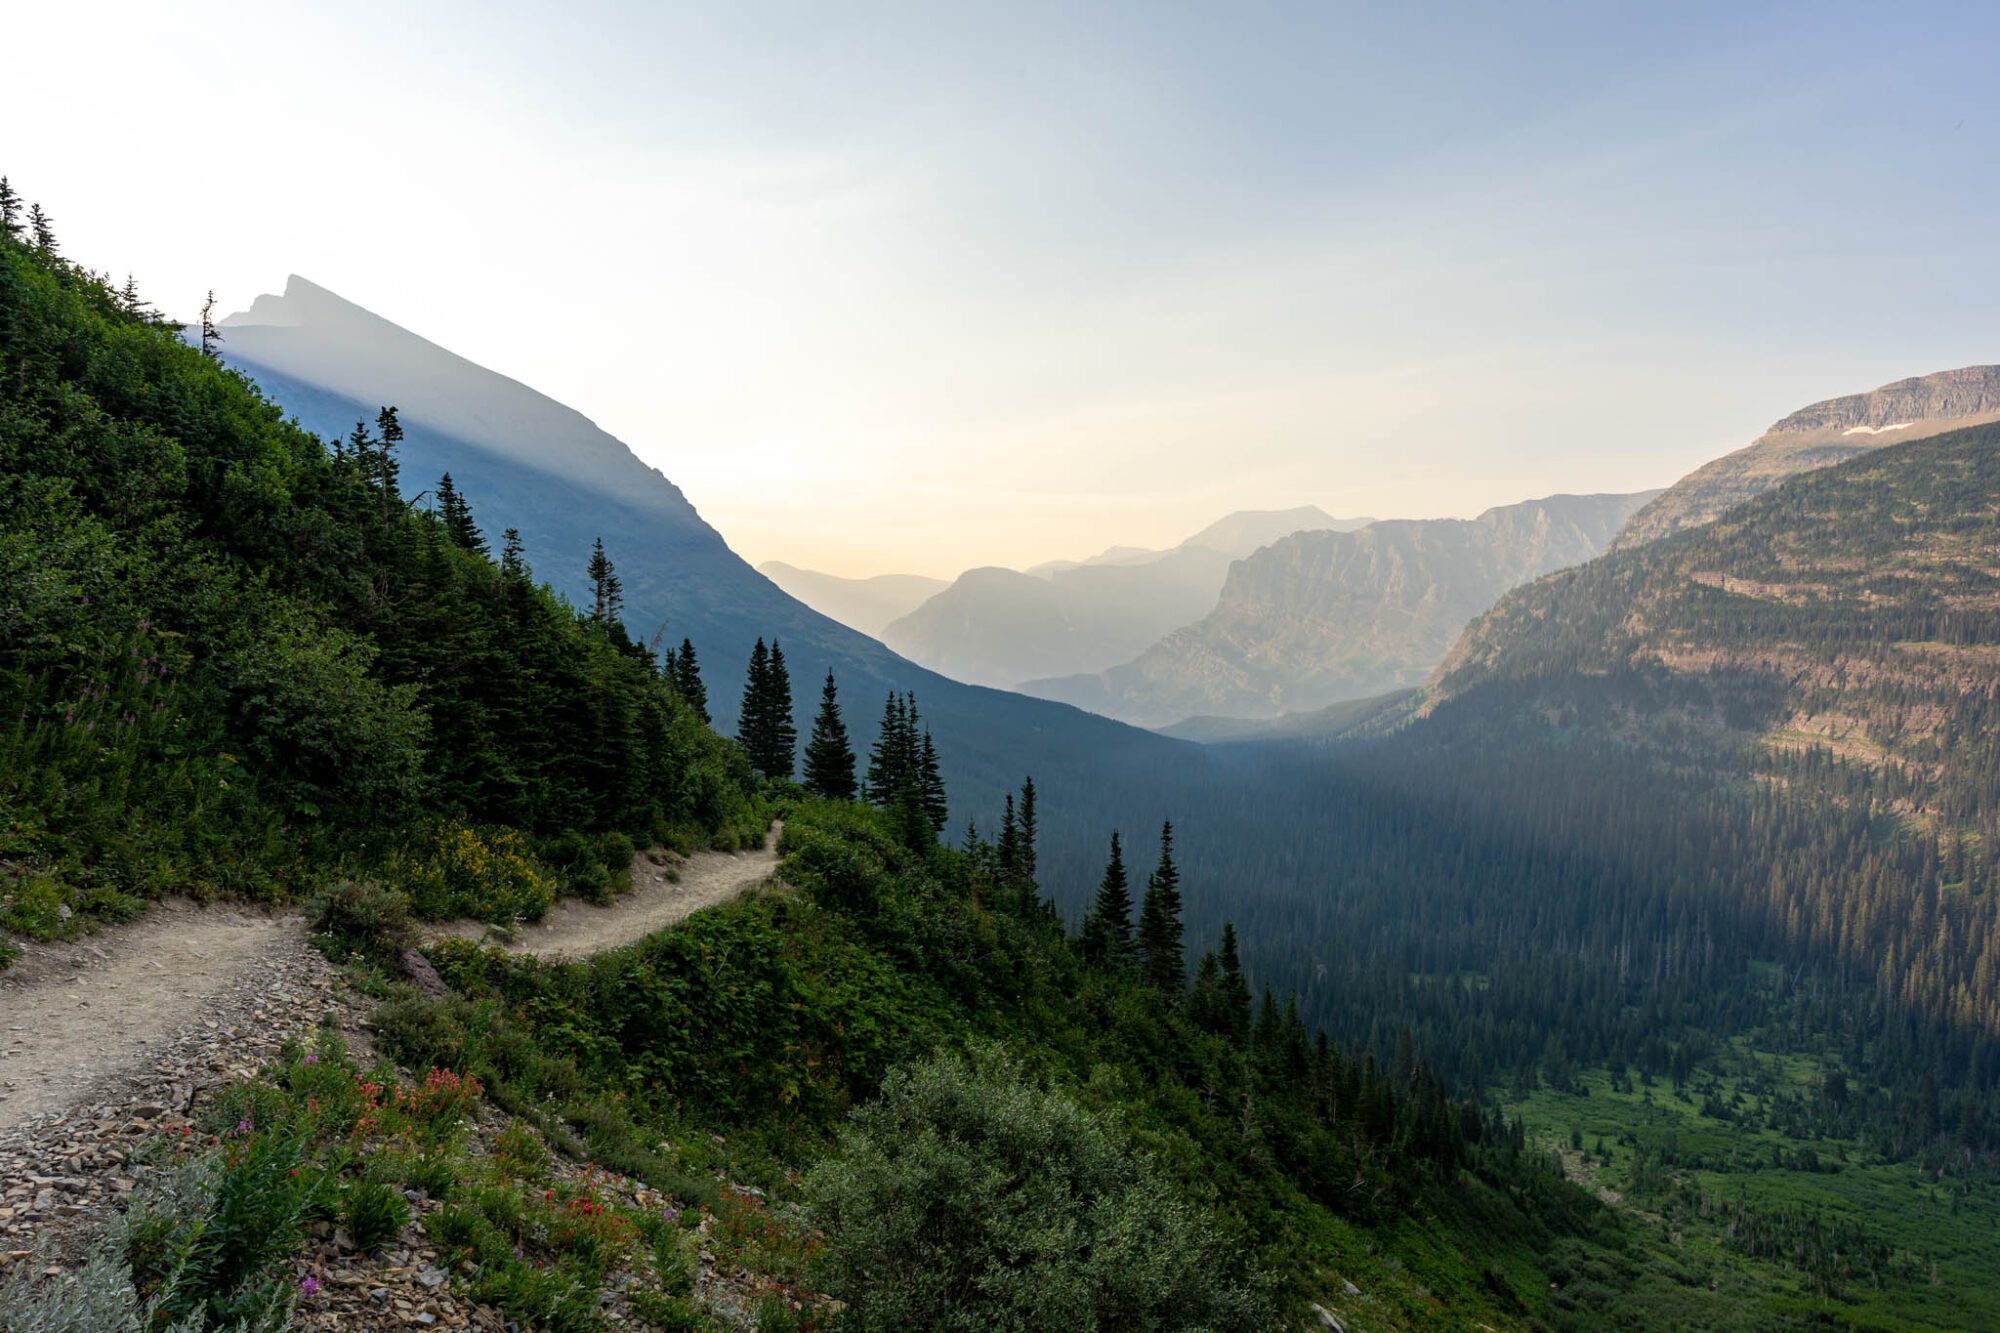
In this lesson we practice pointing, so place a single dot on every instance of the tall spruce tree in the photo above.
(930, 786)
(1025, 856)
(607, 592)
(829, 756)
(1107, 931)
(784, 743)
(456, 515)
(1235, 990)
(890, 762)
(513, 556)
(687, 680)
(1165, 963)
(389, 427)
(43, 229)
(1009, 848)
(753, 722)
(10, 211)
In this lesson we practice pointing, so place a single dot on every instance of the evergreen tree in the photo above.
(829, 756)
(10, 211)
(1025, 845)
(43, 230)
(782, 753)
(457, 517)
(1107, 931)
(1009, 849)
(513, 556)
(607, 593)
(687, 680)
(211, 337)
(930, 786)
(1235, 990)
(1165, 964)
(753, 723)
(890, 761)
(132, 303)
(390, 427)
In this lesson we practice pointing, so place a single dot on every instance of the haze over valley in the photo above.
(1088, 667)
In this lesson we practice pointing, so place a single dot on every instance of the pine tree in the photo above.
(10, 211)
(457, 517)
(390, 427)
(1235, 990)
(1027, 833)
(930, 787)
(782, 753)
(1165, 964)
(211, 337)
(1009, 849)
(829, 756)
(1107, 931)
(889, 761)
(513, 556)
(753, 724)
(687, 680)
(43, 230)
(132, 303)
(607, 593)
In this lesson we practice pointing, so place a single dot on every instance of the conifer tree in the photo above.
(1009, 849)
(607, 593)
(43, 230)
(132, 303)
(10, 211)
(784, 736)
(1107, 931)
(1165, 965)
(211, 337)
(513, 556)
(889, 761)
(829, 756)
(1025, 845)
(1235, 990)
(930, 786)
(457, 517)
(753, 724)
(687, 680)
(390, 427)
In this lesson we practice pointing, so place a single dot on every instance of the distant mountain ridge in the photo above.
(863, 604)
(1319, 618)
(996, 626)
(1817, 436)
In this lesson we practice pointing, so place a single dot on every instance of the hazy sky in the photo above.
(917, 287)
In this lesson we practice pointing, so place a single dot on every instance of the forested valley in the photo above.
(1617, 982)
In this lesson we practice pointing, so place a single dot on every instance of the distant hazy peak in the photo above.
(1246, 530)
(1969, 391)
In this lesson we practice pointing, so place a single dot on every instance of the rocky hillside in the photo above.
(1326, 616)
(1817, 436)
(1853, 614)
(999, 627)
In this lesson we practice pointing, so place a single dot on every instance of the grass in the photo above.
(1682, 1171)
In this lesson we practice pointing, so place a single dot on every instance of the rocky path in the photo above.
(664, 889)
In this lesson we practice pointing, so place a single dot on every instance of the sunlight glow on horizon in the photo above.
(919, 291)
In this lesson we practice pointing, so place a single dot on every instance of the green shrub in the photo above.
(362, 916)
(968, 1198)
(485, 873)
(373, 1213)
(670, 1314)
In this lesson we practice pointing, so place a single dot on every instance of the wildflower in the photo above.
(308, 1285)
(312, 1059)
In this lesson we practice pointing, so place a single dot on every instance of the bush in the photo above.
(968, 1198)
(363, 916)
(374, 1213)
(483, 873)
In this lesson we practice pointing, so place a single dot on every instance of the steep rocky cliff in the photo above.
(1325, 616)
(1818, 436)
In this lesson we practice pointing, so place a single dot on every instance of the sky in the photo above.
(914, 288)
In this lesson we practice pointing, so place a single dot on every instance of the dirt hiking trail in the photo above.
(197, 987)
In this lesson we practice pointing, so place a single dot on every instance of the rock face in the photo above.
(1819, 436)
(1321, 617)
(999, 627)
